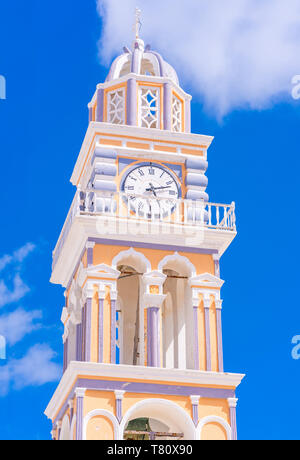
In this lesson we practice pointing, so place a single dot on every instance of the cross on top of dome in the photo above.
(137, 24)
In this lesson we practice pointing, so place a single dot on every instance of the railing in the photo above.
(124, 206)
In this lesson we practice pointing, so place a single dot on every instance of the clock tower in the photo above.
(139, 258)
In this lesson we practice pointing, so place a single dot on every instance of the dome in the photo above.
(141, 61)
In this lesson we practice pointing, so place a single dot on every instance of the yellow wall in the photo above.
(213, 432)
(100, 428)
(99, 400)
(105, 254)
(215, 407)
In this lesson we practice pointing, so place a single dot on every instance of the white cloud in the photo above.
(18, 291)
(16, 325)
(14, 261)
(233, 53)
(36, 368)
(17, 257)
(23, 252)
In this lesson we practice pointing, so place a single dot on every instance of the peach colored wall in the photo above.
(215, 407)
(213, 432)
(132, 398)
(100, 428)
(105, 254)
(99, 400)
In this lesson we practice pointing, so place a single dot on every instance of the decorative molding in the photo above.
(132, 253)
(180, 259)
(232, 402)
(213, 419)
(183, 377)
(195, 399)
(206, 280)
(168, 406)
(104, 413)
(80, 392)
(119, 394)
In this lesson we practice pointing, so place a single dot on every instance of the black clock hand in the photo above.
(152, 189)
(156, 188)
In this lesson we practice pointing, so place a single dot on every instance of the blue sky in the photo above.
(50, 58)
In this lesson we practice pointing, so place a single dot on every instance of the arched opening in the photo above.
(177, 316)
(129, 315)
(147, 67)
(158, 419)
(149, 429)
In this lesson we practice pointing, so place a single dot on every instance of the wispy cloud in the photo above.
(36, 368)
(16, 325)
(11, 292)
(18, 291)
(17, 257)
(233, 54)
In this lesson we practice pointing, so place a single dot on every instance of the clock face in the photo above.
(152, 191)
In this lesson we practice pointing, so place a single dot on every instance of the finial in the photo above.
(137, 24)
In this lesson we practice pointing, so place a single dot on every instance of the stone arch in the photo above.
(213, 419)
(150, 62)
(133, 258)
(118, 65)
(178, 263)
(163, 410)
(104, 413)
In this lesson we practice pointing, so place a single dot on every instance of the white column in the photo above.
(153, 302)
(88, 298)
(219, 303)
(119, 395)
(232, 402)
(195, 408)
(207, 304)
(79, 392)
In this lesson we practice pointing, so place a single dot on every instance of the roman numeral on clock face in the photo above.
(155, 189)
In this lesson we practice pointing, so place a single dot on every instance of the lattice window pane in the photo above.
(149, 107)
(116, 107)
(176, 114)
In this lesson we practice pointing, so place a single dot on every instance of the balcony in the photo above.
(147, 212)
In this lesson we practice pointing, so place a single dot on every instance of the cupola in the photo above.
(142, 90)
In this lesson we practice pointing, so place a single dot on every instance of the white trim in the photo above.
(126, 130)
(195, 399)
(131, 253)
(151, 402)
(177, 258)
(80, 392)
(126, 372)
(119, 394)
(206, 280)
(232, 402)
(104, 413)
(213, 419)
